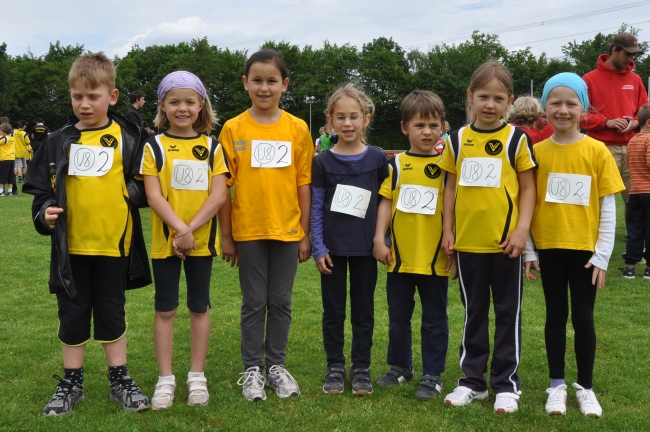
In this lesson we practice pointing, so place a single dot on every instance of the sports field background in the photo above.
(30, 353)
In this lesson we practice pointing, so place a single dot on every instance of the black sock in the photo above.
(116, 372)
(75, 376)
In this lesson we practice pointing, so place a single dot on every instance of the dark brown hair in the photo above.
(423, 102)
(268, 56)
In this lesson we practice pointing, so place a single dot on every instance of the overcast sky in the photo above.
(115, 26)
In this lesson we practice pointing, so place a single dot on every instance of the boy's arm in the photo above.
(380, 251)
(39, 183)
(304, 202)
(515, 244)
(228, 248)
(449, 214)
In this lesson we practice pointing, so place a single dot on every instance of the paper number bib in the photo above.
(270, 154)
(481, 172)
(417, 199)
(350, 200)
(90, 161)
(568, 189)
(190, 175)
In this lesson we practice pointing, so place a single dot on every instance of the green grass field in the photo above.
(30, 353)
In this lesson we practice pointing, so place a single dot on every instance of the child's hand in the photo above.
(452, 266)
(304, 249)
(229, 250)
(381, 252)
(183, 245)
(530, 274)
(51, 215)
(324, 264)
(514, 244)
(448, 241)
(598, 276)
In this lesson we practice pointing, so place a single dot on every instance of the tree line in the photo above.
(32, 86)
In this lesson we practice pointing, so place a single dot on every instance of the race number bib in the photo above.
(417, 199)
(270, 154)
(481, 172)
(190, 175)
(90, 161)
(568, 189)
(351, 200)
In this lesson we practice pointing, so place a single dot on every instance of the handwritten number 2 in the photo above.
(358, 202)
(284, 154)
(491, 169)
(576, 192)
(104, 164)
(426, 206)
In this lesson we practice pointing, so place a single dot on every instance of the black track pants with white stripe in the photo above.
(479, 275)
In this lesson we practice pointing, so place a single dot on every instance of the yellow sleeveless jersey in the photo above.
(185, 168)
(268, 162)
(558, 224)
(415, 186)
(486, 163)
(99, 220)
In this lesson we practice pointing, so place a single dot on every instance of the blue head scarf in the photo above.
(570, 80)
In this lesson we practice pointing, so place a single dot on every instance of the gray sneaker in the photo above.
(252, 383)
(280, 380)
(395, 376)
(334, 379)
(127, 393)
(361, 384)
(64, 399)
(430, 387)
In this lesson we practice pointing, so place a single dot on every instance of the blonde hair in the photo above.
(482, 76)
(207, 118)
(351, 91)
(93, 70)
(525, 110)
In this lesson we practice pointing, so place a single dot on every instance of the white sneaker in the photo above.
(506, 402)
(556, 402)
(589, 405)
(252, 382)
(282, 382)
(197, 388)
(463, 395)
(163, 395)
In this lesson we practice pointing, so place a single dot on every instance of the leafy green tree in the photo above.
(5, 80)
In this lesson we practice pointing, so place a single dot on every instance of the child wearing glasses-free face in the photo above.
(345, 186)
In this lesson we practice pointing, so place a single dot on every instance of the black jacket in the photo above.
(45, 180)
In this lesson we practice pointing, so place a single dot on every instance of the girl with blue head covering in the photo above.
(573, 230)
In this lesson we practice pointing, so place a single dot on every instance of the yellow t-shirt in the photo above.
(167, 157)
(7, 148)
(416, 238)
(22, 141)
(99, 220)
(572, 226)
(265, 202)
(486, 216)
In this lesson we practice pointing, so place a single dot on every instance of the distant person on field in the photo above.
(39, 133)
(411, 211)
(84, 200)
(7, 156)
(616, 94)
(324, 142)
(638, 212)
(542, 125)
(23, 147)
(524, 113)
(136, 98)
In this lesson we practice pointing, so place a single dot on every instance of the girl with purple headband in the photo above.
(185, 178)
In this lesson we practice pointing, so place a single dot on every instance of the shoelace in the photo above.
(63, 389)
(588, 399)
(556, 396)
(283, 374)
(253, 375)
(128, 384)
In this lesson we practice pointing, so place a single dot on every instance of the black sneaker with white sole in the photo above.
(430, 387)
(361, 384)
(64, 399)
(628, 272)
(395, 376)
(127, 393)
(334, 379)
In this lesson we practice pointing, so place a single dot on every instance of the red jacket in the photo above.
(612, 95)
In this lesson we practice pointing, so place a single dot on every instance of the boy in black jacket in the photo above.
(80, 179)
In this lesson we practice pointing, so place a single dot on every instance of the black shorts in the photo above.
(100, 283)
(7, 175)
(167, 275)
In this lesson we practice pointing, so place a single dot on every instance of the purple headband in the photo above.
(180, 80)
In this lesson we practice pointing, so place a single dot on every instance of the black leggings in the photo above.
(561, 268)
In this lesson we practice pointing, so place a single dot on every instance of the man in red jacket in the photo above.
(615, 95)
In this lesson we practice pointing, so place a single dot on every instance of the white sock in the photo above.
(195, 375)
(165, 378)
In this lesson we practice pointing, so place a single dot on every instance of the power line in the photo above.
(536, 24)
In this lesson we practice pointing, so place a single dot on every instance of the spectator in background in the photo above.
(524, 113)
(39, 134)
(615, 95)
(136, 98)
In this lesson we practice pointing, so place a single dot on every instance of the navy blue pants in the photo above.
(400, 289)
(637, 221)
(363, 279)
